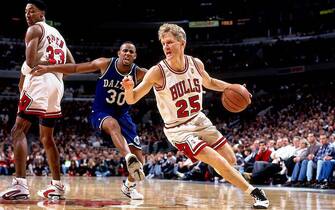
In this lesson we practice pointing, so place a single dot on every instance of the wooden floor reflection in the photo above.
(104, 193)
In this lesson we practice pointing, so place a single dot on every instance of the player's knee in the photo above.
(47, 141)
(231, 160)
(17, 130)
(112, 126)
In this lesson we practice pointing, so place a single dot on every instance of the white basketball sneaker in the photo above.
(261, 201)
(131, 192)
(53, 192)
(18, 191)
(135, 167)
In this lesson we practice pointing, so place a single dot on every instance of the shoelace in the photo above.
(130, 188)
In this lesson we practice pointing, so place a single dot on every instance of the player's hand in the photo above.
(39, 70)
(245, 85)
(127, 83)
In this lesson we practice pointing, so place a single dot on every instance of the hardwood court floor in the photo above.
(104, 193)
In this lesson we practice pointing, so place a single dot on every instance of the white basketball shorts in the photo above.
(192, 136)
(42, 95)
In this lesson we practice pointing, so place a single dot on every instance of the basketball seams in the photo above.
(225, 99)
(239, 94)
(232, 100)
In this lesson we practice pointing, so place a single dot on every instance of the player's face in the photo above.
(33, 14)
(171, 46)
(127, 54)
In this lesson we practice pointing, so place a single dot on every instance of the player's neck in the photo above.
(122, 68)
(177, 63)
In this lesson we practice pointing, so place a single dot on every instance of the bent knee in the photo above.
(232, 160)
(111, 125)
(47, 141)
(17, 130)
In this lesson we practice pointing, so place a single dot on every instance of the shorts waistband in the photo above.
(181, 123)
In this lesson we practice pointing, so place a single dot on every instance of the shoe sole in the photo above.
(17, 197)
(260, 207)
(135, 168)
(51, 197)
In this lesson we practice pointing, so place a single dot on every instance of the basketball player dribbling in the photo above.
(178, 82)
(110, 112)
(40, 97)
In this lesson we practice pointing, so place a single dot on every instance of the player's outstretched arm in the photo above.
(133, 95)
(210, 82)
(95, 65)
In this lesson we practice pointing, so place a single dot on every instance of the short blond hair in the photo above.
(174, 29)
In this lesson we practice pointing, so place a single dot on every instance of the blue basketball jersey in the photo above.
(109, 93)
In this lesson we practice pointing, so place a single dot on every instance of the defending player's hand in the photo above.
(39, 70)
(127, 82)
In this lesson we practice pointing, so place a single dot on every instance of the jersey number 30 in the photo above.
(115, 97)
(182, 105)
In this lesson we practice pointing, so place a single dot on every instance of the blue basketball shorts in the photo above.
(128, 127)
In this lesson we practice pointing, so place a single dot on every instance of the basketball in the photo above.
(235, 98)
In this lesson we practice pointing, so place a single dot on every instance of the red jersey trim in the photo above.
(158, 88)
(196, 66)
(177, 72)
(43, 32)
(219, 143)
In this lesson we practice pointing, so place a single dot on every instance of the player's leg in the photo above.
(137, 151)
(128, 129)
(211, 157)
(214, 159)
(208, 133)
(56, 189)
(189, 141)
(19, 188)
(18, 134)
(129, 186)
(129, 132)
(111, 127)
(227, 152)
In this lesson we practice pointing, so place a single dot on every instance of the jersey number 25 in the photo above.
(183, 105)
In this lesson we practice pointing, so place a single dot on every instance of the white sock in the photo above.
(250, 189)
(56, 182)
(22, 180)
(129, 183)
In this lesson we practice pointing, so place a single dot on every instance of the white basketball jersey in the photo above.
(51, 47)
(180, 97)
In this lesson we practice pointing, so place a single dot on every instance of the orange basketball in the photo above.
(235, 98)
